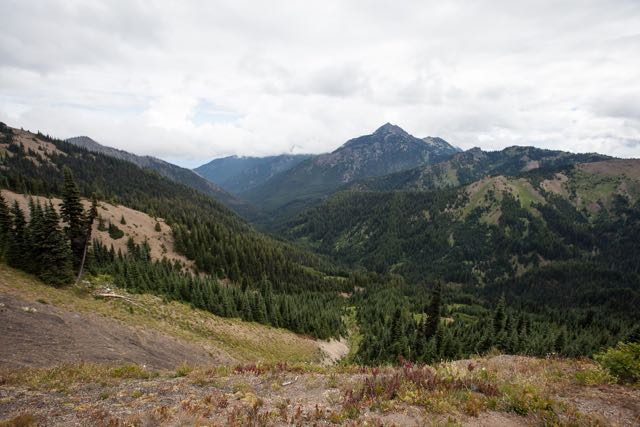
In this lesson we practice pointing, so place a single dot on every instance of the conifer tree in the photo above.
(72, 213)
(36, 234)
(56, 253)
(89, 218)
(5, 226)
(433, 312)
(499, 316)
(18, 250)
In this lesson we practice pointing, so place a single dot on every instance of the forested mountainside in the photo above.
(294, 288)
(495, 227)
(389, 149)
(171, 171)
(468, 166)
(239, 174)
(559, 246)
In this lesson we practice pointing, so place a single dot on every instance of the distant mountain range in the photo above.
(465, 167)
(389, 149)
(239, 174)
(168, 170)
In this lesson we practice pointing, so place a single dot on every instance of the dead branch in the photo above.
(112, 295)
(289, 382)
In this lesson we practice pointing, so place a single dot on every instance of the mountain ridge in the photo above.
(169, 170)
(467, 166)
(388, 149)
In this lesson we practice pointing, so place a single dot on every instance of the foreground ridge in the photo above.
(499, 390)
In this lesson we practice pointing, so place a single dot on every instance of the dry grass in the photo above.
(486, 391)
(64, 376)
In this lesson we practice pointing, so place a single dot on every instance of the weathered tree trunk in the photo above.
(84, 257)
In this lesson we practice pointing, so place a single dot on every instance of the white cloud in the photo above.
(192, 80)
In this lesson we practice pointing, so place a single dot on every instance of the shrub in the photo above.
(131, 371)
(114, 232)
(23, 420)
(594, 376)
(183, 370)
(623, 361)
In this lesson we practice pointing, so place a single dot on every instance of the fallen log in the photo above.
(117, 296)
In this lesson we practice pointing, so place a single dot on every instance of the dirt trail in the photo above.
(36, 334)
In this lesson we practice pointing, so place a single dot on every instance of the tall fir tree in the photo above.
(5, 226)
(36, 233)
(499, 316)
(433, 312)
(56, 253)
(18, 250)
(73, 214)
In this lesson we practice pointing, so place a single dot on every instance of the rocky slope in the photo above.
(493, 391)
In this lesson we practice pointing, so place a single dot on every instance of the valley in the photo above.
(395, 280)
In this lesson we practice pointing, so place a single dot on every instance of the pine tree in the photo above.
(56, 253)
(499, 316)
(72, 213)
(5, 227)
(18, 250)
(421, 341)
(560, 341)
(433, 312)
(5, 217)
(36, 234)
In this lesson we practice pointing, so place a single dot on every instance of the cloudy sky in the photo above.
(191, 80)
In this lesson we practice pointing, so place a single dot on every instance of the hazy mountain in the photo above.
(175, 173)
(389, 149)
(238, 174)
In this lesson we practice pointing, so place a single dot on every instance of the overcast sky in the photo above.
(189, 81)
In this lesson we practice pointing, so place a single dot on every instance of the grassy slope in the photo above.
(242, 340)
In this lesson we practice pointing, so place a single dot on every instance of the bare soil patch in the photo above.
(628, 167)
(36, 334)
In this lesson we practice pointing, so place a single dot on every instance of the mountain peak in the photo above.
(389, 128)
